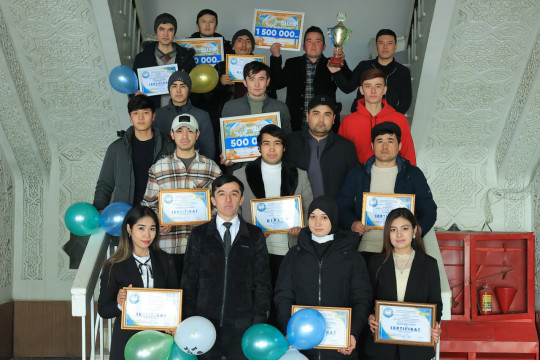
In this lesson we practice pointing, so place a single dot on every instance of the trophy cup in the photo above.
(339, 35)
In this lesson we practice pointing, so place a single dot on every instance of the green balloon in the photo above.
(82, 218)
(264, 342)
(177, 354)
(148, 345)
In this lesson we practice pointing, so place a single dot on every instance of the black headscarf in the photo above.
(327, 205)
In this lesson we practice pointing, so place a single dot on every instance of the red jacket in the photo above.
(357, 128)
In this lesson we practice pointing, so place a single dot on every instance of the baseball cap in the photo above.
(322, 100)
(187, 120)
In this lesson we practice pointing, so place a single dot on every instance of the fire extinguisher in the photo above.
(485, 296)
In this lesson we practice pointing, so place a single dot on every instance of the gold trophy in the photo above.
(339, 35)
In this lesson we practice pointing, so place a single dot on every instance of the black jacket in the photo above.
(116, 181)
(117, 276)
(337, 158)
(423, 286)
(293, 76)
(146, 58)
(398, 81)
(338, 279)
(409, 180)
(233, 291)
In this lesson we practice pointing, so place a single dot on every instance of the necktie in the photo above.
(227, 238)
(148, 270)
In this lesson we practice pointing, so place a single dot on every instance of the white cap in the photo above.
(185, 120)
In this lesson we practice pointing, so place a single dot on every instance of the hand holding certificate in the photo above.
(283, 27)
(277, 215)
(184, 207)
(154, 80)
(151, 309)
(376, 207)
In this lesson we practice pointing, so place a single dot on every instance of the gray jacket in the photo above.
(205, 143)
(116, 180)
(239, 107)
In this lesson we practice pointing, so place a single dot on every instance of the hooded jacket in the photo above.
(357, 128)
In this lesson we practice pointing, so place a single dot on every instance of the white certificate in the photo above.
(404, 323)
(154, 80)
(235, 64)
(151, 309)
(184, 206)
(338, 326)
(277, 215)
(377, 206)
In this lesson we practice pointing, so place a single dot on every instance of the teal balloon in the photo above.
(148, 345)
(264, 342)
(177, 354)
(82, 218)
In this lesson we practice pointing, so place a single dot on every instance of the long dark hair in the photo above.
(405, 213)
(125, 243)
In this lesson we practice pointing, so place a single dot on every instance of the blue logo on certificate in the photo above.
(373, 202)
(234, 61)
(388, 312)
(261, 207)
(134, 298)
(168, 199)
(145, 74)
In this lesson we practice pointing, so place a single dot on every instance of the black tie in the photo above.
(227, 238)
(148, 270)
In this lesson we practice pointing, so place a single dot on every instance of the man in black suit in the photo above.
(304, 76)
(226, 276)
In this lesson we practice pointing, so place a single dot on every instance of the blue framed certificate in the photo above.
(376, 207)
(151, 309)
(274, 26)
(405, 323)
(207, 50)
(338, 326)
(184, 207)
(239, 135)
(277, 215)
(154, 80)
(235, 65)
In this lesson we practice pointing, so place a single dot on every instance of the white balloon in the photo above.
(293, 354)
(195, 336)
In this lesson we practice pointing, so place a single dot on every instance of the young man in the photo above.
(124, 172)
(183, 169)
(267, 177)
(164, 52)
(226, 276)
(325, 155)
(256, 101)
(179, 90)
(397, 76)
(304, 76)
(207, 23)
(385, 172)
(373, 110)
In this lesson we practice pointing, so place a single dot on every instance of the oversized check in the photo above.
(184, 206)
(376, 207)
(235, 64)
(405, 323)
(151, 309)
(239, 135)
(154, 80)
(277, 215)
(274, 26)
(338, 326)
(207, 50)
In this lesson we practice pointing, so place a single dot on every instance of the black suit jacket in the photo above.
(423, 286)
(115, 277)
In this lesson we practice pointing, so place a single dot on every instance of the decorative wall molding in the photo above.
(7, 217)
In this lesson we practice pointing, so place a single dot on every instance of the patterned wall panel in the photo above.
(7, 214)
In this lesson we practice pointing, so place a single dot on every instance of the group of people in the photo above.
(232, 272)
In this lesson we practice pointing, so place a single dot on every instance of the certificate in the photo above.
(154, 80)
(284, 27)
(404, 323)
(151, 309)
(277, 215)
(338, 326)
(239, 135)
(235, 64)
(377, 206)
(207, 50)
(184, 206)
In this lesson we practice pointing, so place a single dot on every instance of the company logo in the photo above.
(134, 298)
(373, 202)
(388, 312)
(145, 74)
(234, 61)
(168, 199)
(261, 207)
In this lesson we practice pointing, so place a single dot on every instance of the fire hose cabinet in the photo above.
(492, 278)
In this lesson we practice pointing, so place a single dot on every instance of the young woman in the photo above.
(403, 272)
(138, 262)
(325, 269)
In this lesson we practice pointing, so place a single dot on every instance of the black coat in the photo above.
(340, 278)
(120, 275)
(146, 58)
(293, 76)
(228, 292)
(337, 158)
(423, 286)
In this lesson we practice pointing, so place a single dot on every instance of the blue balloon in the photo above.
(306, 329)
(124, 80)
(177, 354)
(112, 217)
